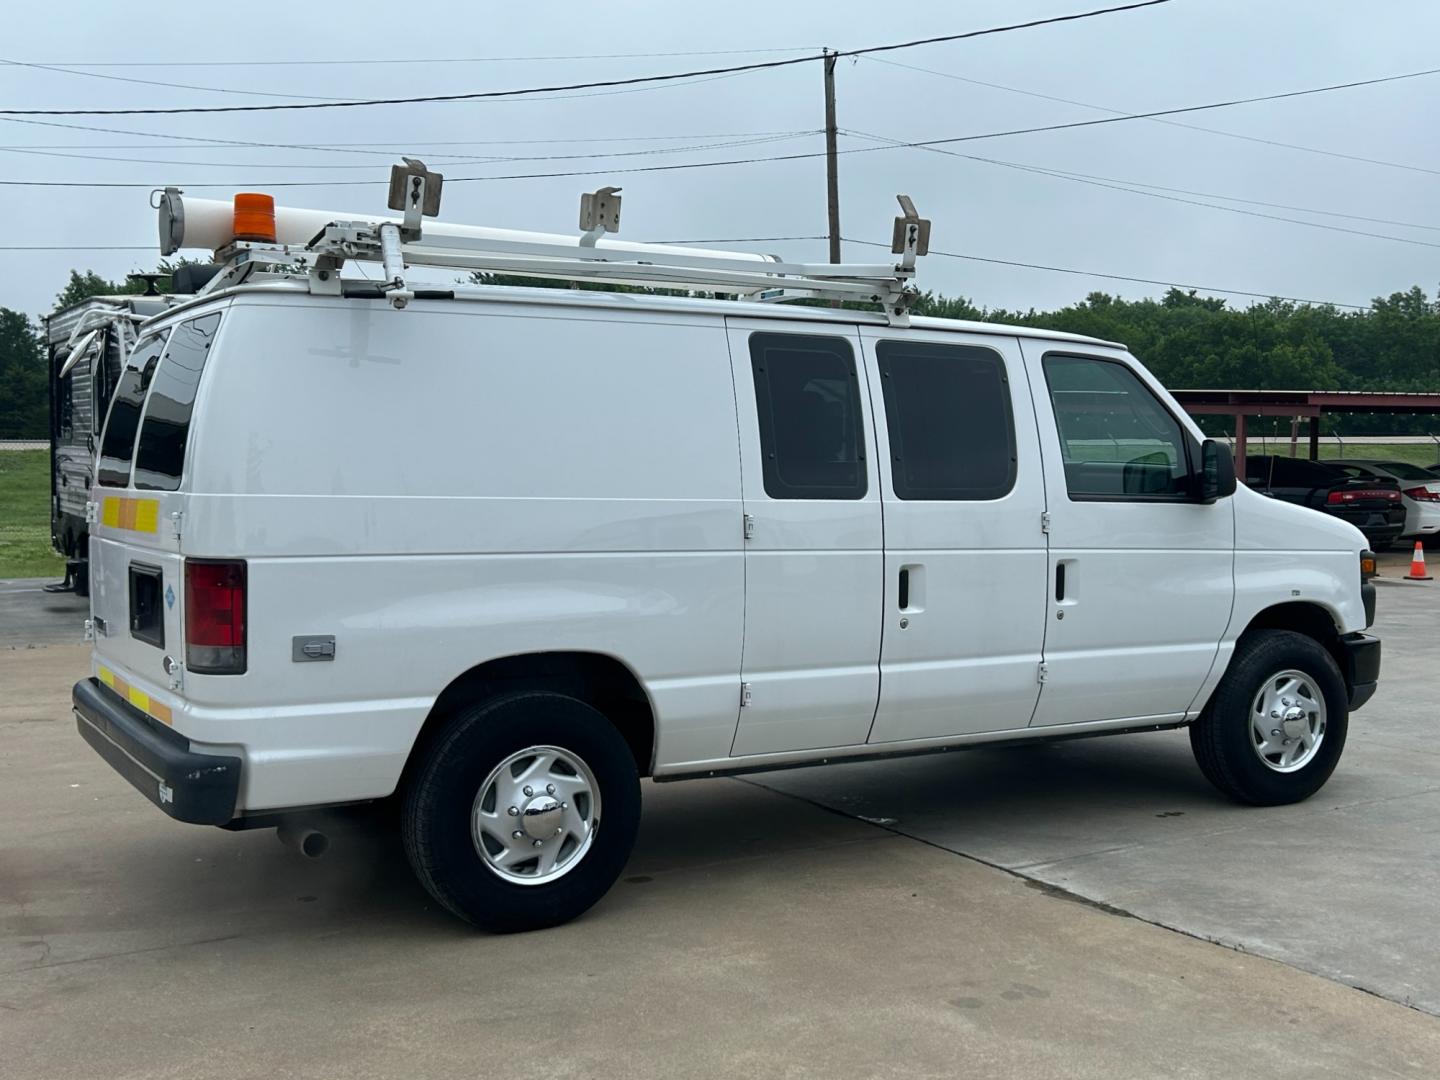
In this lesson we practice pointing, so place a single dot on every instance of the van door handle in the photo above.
(1059, 581)
(904, 587)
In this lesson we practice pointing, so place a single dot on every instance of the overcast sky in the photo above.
(1186, 52)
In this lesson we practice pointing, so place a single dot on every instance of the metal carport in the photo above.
(1311, 404)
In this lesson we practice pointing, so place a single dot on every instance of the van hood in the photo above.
(1263, 523)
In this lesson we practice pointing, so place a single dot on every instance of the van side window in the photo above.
(160, 456)
(947, 408)
(117, 445)
(807, 396)
(1117, 440)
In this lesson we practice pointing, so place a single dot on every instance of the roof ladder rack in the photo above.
(415, 191)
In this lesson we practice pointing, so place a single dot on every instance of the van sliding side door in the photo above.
(813, 561)
(965, 549)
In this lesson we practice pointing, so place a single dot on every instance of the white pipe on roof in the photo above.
(209, 224)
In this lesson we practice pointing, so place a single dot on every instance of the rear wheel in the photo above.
(523, 811)
(1276, 726)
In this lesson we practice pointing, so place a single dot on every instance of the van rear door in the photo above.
(137, 586)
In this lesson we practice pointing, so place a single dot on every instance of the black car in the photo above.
(1371, 504)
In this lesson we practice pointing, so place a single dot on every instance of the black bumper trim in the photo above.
(1362, 666)
(1367, 597)
(199, 788)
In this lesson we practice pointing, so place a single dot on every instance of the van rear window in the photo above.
(160, 457)
(117, 445)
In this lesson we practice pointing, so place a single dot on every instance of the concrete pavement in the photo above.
(29, 616)
(753, 934)
(1346, 884)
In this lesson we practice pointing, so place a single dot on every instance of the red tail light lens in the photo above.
(215, 616)
(1358, 494)
(1420, 494)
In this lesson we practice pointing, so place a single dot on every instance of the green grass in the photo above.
(25, 516)
(1415, 453)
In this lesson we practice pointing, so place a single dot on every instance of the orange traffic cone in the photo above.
(1417, 565)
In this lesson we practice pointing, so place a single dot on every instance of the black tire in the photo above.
(440, 797)
(1221, 737)
(82, 579)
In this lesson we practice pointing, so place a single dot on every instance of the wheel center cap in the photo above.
(540, 817)
(1295, 721)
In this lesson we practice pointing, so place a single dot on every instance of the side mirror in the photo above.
(1217, 472)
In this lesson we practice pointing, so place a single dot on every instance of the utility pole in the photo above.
(832, 171)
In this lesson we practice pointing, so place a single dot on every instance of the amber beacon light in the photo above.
(255, 217)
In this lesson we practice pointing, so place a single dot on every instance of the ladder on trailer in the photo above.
(415, 191)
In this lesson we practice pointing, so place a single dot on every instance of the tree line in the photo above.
(1187, 340)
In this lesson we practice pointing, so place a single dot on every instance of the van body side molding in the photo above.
(800, 759)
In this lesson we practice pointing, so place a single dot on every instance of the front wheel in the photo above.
(522, 812)
(1275, 728)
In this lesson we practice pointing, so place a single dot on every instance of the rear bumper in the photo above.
(198, 788)
(1382, 534)
(1362, 666)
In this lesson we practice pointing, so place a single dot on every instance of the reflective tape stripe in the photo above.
(135, 696)
(137, 515)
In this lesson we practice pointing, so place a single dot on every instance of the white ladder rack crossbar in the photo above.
(743, 275)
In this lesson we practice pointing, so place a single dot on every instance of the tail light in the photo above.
(1350, 495)
(215, 616)
(1422, 494)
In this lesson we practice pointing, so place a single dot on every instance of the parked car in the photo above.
(1419, 491)
(500, 552)
(1372, 504)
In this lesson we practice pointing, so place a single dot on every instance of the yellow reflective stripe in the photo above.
(147, 515)
(137, 515)
(135, 696)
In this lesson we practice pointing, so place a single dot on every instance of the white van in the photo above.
(502, 552)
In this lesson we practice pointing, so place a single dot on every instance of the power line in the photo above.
(417, 60)
(346, 148)
(1184, 109)
(1124, 277)
(325, 102)
(483, 95)
(77, 247)
(450, 159)
(1080, 178)
(167, 85)
(385, 148)
(1070, 174)
(1171, 123)
(754, 160)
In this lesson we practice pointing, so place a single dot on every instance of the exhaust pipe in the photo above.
(308, 841)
